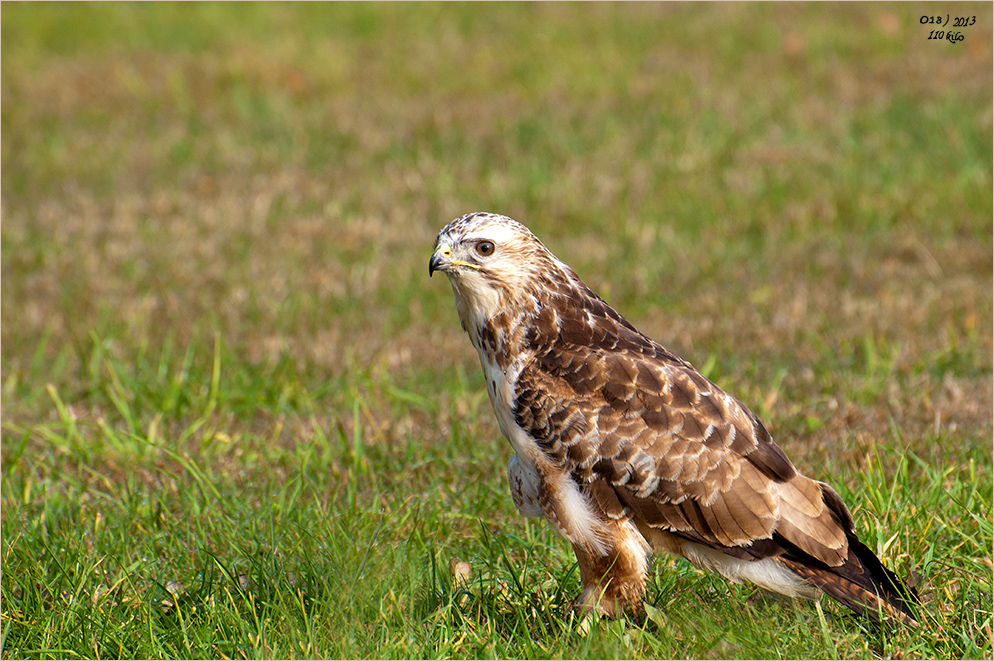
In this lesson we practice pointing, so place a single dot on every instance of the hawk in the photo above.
(624, 447)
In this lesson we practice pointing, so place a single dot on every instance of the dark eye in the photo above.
(485, 248)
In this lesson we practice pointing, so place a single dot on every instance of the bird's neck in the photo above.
(503, 333)
(510, 324)
(500, 339)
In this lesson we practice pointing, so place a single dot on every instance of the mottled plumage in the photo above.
(625, 447)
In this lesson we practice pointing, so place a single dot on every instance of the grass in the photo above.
(239, 420)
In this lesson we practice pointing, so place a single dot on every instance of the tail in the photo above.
(862, 583)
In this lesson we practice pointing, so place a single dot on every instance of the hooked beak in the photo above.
(439, 260)
(442, 260)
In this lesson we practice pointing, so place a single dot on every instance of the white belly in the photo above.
(522, 476)
(525, 484)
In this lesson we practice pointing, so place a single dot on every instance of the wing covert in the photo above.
(675, 450)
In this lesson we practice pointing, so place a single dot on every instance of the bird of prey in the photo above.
(624, 447)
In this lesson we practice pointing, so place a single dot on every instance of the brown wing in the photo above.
(650, 436)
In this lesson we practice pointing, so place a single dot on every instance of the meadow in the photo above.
(239, 420)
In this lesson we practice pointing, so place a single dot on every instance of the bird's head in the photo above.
(492, 262)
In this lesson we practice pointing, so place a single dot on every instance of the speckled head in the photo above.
(500, 232)
(493, 263)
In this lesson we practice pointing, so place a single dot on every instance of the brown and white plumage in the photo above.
(625, 447)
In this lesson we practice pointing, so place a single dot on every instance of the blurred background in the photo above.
(278, 173)
(217, 220)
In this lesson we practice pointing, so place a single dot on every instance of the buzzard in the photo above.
(624, 447)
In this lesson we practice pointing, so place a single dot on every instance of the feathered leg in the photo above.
(616, 581)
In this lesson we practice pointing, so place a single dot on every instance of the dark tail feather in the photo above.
(862, 583)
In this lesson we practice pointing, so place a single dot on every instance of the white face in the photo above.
(486, 258)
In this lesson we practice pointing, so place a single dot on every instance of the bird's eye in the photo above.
(485, 248)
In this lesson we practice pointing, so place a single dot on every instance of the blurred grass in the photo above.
(238, 419)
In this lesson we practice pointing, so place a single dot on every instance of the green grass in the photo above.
(238, 420)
